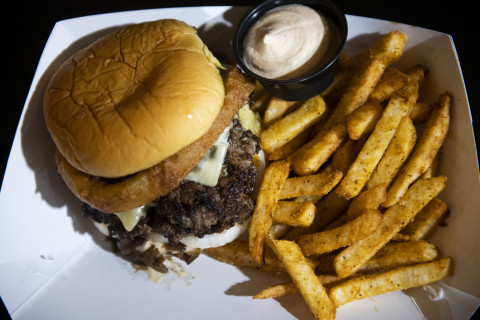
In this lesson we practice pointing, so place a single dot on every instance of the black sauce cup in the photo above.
(310, 84)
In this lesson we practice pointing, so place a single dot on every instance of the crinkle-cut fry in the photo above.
(362, 121)
(289, 288)
(296, 214)
(351, 259)
(397, 279)
(283, 130)
(276, 108)
(426, 220)
(391, 81)
(317, 184)
(424, 151)
(271, 187)
(368, 199)
(237, 253)
(359, 173)
(327, 241)
(328, 209)
(308, 284)
(400, 254)
(396, 154)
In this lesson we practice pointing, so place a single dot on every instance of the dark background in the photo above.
(26, 27)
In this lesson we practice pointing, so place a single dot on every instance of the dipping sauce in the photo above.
(288, 42)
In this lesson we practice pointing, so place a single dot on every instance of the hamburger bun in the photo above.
(133, 98)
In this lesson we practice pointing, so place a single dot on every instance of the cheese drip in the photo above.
(209, 168)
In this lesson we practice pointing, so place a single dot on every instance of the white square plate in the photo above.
(52, 267)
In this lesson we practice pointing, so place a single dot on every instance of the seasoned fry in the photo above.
(328, 208)
(272, 185)
(396, 154)
(424, 151)
(276, 108)
(297, 214)
(343, 156)
(426, 220)
(368, 199)
(394, 219)
(401, 254)
(432, 170)
(391, 81)
(362, 121)
(326, 241)
(421, 112)
(290, 147)
(237, 253)
(374, 148)
(261, 98)
(312, 291)
(397, 279)
(288, 127)
(318, 184)
(308, 159)
(289, 288)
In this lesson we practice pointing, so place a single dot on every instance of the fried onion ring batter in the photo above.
(145, 186)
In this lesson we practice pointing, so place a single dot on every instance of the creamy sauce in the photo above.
(287, 42)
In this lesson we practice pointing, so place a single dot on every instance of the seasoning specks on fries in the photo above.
(351, 193)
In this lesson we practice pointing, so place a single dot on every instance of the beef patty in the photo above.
(193, 208)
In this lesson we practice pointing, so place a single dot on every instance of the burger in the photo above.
(150, 137)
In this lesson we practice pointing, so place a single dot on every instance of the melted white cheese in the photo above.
(209, 168)
(130, 218)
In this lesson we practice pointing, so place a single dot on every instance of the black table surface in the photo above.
(26, 27)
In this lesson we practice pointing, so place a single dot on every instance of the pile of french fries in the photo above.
(350, 193)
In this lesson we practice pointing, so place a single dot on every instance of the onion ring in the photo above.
(145, 186)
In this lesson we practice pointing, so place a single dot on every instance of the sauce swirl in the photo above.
(287, 42)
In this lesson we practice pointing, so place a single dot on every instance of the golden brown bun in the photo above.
(147, 185)
(133, 98)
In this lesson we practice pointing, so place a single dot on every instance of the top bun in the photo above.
(133, 98)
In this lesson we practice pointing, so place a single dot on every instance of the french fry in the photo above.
(391, 81)
(424, 151)
(308, 159)
(237, 253)
(373, 63)
(362, 121)
(297, 214)
(289, 288)
(284, 130)
(276, 108)
(312, 291)
(326, 241)
(432, 170)
(426, 220)
(343, 156)
(357, 176)
(328, 208)
(421, 112)
(290, 147)
(368, 199)
(394, 219)
(272, 185)
(396, 154)
(397, 279)
(318, 184)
